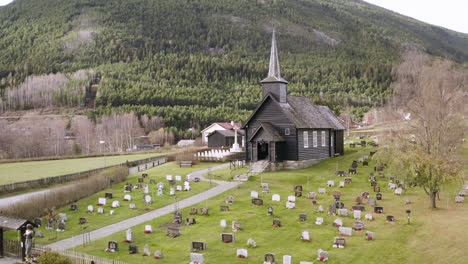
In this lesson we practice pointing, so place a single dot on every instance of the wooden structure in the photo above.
(223, 138)
(290, 128)
(9, 223)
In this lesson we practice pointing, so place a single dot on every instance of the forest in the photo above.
(194, 62)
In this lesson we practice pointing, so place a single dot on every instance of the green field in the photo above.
(96, 220)
(25, 171)
(434, 236)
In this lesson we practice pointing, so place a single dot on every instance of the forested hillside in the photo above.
(193, 62)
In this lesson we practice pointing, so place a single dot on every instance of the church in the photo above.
(290, 132)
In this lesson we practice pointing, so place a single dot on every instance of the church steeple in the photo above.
(273, 83)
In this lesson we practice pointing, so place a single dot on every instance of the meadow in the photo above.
(434, 236)
(25, 171)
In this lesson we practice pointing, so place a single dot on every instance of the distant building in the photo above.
(290, 128)
(217, 126)
(186, 143)
(225, 138)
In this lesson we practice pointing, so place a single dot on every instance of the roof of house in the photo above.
(225, 125)
(13, 223)
(227, 133)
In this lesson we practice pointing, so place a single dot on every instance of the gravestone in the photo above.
(100, 210)
(127, 188)
(251, 243)
(160, 192)
(365, 163)
(398, 191)
(291, 198)
(141, 180)
(302, 217)
(61, 226)
(196, 258)
(111, 212)
(276, 222)
(83, 220)
(223, 223)
(342, 184)
(378, 209)
(90, 209)
(74, 207)
(108, 195)
(340, 173)
(319, 221)
(173, 232)
(169, 177)
(129, 236)
(112, 246)
(242, 253)
(158, 254)
(359, 200)
(354, 164)
(161, 185)
(269, 258)
(365, 195)
(115, 204)
(62, 217)
(257, 201)
(377, 189)
(361, 160)
(132, 249)
(332, 209)
(297, 190)
(342, 212)
(459, 199)
(348, 180)
(38, 221)
(148, 229)
(339, 205)
(358, 226)
(378, 196)
(287, 259)
(345, 231)
(369, 235)
(148, 199)
(179, 188)
(132, 206)
(127, 197)
(270, 210)
(236, 226)
(177, 218)
(190, 221)
(371, 202)
(146, 189)
(187, 186)
(338, 222)
(322, 255)
(224, 208)
(290, 205)
(339, 242)
(390, 218)
(265, 188)
(276, 197)
(331, 183)
(193, 211)
(146, 251)
(227, 237)
(152, 181)
(356, 214)
(171, 191)
(322, 190)
(352, 171)
(253, 194)
(369, 217)
(198, 246)
(311, 195)
(178, 178)
(305, 236)
(320, 209)
(392, 186)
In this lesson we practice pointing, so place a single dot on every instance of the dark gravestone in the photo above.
(352, 171)
(194, 211)
(302, 217)
(141, 180)
(257, 201)
(270, 210)
(365, 195)
(73, 207)
(378, 196)
(354, 165)
(204, 211)
(348, 180)
(108, 196)
(83, 220)
(340, 173)
(190, 221)
(359, 207)
(112, 246)
(297, 188)
(144, 175)
(365, 163)
(132, 249)
(224, 208)
(379, 210)
(173, 232)
(339, 205)
(337, 197)
(376, 189)
(61, 226)
(373, 183)
(298, 194)
(198, 246)
(38, 221)
(390, 218)
(227, 237)
(276, 222)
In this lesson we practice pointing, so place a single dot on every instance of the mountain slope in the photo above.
(198, 61)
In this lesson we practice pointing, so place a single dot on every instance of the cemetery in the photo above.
(246, 224)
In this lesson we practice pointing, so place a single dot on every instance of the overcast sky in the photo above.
(450, 14)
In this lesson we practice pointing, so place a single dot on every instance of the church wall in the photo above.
(272, 113)
(319, 152)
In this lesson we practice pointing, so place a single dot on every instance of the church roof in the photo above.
(270, 130)
(305, 114)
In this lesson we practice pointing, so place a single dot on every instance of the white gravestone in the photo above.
(90, 208)
(148, 199)
(287, 259)
(127, 197)
(171, 191)
(186, 186)
(276, 197)
(290, 205)
(146, 189)
(253, 194)
(459, 199)
(196, 258)
(169, 177)
(111, 212)
(178, 178)
(115, 204)
(320, 209)
(223, 223)
(63, 217)
(369, 217)
(345, 231)
(179, 187)
(102, 201)
(338, 222)
(305, 262)
(305, 236)
(398, 191)
(343, 212)
(160, 192)
(391, 186)
(292, 198)
(132, 206)
(342, 184)
(319, 221)
(129, 236)
(148, 229)
(100, 210)
(242, 253)
(322, 255)
(331, 183)
(357, 214)
(322, 190)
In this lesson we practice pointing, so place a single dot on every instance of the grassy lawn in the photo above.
(25, 171)
(434, 236)
(96, 220)
(225, 174)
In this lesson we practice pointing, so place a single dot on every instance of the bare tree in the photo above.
(432, 95)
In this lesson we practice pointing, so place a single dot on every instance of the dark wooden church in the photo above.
(290, 128)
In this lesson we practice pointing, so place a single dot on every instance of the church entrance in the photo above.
(262, 151)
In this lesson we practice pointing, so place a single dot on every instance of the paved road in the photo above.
(124, 225)
(13, 199)
(8, 260)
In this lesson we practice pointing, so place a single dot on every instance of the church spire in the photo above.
(274, 69)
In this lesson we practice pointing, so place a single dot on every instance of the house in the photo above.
(288, 129)
(224, 138)
(217, 126)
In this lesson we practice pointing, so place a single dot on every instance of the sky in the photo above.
(451, 14)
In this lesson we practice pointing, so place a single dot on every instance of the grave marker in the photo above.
(198, 246)
(227, 237)
(276, 197)
(305, 236)
(339, 242)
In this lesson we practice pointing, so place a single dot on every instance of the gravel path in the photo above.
(124, 225)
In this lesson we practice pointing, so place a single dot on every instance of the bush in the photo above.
(50, 257)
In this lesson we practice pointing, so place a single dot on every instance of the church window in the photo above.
(306, 139)
(314, 138)
(324, 139)
(286, 131)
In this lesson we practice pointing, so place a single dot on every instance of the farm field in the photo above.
(432, 237)
(25, 171)
(96, 221)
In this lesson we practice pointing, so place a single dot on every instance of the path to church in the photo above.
(124, 225)
(21, 197)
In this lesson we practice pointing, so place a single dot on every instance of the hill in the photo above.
(193, 62)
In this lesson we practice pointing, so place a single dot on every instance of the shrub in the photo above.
(50, 257)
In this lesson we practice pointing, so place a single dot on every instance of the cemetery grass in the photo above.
(25, 171)
(225, 174)
(96, 221)
(423, 241)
